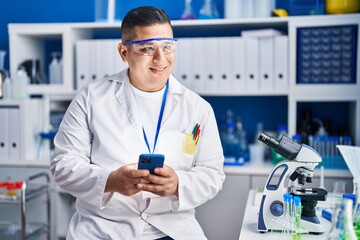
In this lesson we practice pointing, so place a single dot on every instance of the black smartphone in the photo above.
(151, 161)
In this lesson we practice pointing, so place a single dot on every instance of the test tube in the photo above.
(296, 235)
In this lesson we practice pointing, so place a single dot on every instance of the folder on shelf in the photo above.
(266, 59)
(183, 61)
(211, 65)
(14, 132)
(4, 133)
(82, 59)
(108, 64)
(197, 73)
(92, 68)
(252, 63)
(224, 64)
(237, 62)
(281, 78)
(100, 58)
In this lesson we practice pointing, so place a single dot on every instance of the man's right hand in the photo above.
(124, 180)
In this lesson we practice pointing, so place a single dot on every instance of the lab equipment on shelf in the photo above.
(188, 11)
(208, 10)
(20, 193)
(56, 69)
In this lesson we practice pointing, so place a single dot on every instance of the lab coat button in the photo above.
(143, 216)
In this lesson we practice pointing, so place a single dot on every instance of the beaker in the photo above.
(2, 59)
(339, 187)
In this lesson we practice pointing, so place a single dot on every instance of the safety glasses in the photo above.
(149, 46)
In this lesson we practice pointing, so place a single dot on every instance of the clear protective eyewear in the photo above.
(149, 46)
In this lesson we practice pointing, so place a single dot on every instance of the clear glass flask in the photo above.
(342, 227)
(356, 211)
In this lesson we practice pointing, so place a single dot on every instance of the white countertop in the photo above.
(249, 225)
(247, 169)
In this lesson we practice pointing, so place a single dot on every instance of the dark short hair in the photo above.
(142, 16)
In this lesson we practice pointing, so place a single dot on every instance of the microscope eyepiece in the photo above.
(268, 140)
(286, 147)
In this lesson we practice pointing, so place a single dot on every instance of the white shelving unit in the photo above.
(27, 42)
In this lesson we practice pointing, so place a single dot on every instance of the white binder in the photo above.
(211, 65)
(14, 132)
(266, 45)
(183, 60)
(237, 62)
(82, 59)
(92, 68)
(197, 72)
(224, 65)
(100, 58)
(4, 133)
(252, 63)
(281, 47)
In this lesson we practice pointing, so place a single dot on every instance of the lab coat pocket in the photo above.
(190, 139)
(189, 145)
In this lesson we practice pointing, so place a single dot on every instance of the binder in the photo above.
(100, 58)
(108, 64)
(91, 46)
(211, 65)
(281, 77)
(224, 64)
(237, 62)
(183, 56)
(4, 133)
(82, 59)
(197, 72)
(252, 63)
(14, 132)
(266, 45)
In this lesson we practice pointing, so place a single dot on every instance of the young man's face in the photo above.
(149, 72)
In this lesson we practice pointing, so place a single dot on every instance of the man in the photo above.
(142, 109)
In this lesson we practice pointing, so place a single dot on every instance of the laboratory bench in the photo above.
(249, 225)
(220, 218)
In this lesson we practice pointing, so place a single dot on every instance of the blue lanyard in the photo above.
(159, 120)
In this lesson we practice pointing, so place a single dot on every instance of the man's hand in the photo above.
(164, 183)
(125, 180)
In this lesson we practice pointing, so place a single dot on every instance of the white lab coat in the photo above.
(102, 130)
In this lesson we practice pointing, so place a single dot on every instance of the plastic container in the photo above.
(342, 6)
(55, 69)
(2, 59)
(20, 84)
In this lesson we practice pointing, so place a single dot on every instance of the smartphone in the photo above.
(151, 161)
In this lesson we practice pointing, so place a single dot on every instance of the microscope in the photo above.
(293, 172)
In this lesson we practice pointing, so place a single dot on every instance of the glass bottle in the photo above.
(342, 227)
(208, 10)
(188, 12)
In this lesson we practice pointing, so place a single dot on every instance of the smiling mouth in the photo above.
(158, 69)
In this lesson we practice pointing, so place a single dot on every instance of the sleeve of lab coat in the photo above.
(70, 163)
(205, 179)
